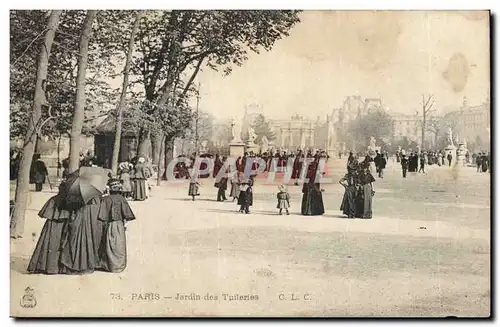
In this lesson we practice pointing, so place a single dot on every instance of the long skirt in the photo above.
(127, 187)
(140, 189)
(45, 258)
(312, 203)
(193, 189)
(113, 249)
(348, 205)
(364, 202)
(235, 190)
(80, 241)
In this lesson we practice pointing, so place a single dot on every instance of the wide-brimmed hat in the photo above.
(115, 185)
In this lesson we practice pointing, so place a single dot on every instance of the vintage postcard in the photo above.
(250, 163)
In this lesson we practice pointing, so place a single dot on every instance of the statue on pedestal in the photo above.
(450, 136)
(236, 132)
(251, 136)
(372, 142)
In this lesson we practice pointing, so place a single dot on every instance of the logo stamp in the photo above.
(28, 300)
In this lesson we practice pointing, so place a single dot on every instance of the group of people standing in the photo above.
(242, 187)
(483, 162)
(359, 189)
(79, 238)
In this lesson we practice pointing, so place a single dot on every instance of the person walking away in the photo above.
(217, 165)
(381, 166)
(47, 254)
(366, 193)
(484, 163)
(222, 187)
(297, 167)
(81, 238)
(140, 180)
(38, 172)
(404, 164)
(312, 198)
(245, 199)
(449, 157)
(114, 213)
(479, 163)
(377, 161)
(283, 200)
(236, 180)
(194, 186)
(349, 182)
(124, 171)
(422, 163)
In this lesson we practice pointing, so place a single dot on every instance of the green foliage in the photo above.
(262, 128)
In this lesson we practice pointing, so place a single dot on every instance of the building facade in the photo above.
(472, 124)
(407, 125)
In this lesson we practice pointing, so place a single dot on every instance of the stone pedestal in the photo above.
(236, 149)
(461, 154)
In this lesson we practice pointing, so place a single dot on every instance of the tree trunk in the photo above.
(58, 155)
(156, 144)
(168, 154)
(121, 103)
(142, 147)
(21, 200)
(79, 113)
(158, 161)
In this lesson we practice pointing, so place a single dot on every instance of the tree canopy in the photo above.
(377, 123)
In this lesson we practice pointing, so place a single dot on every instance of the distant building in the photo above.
(354, 106)
(407, 125)
(473, 123)
(293, 133)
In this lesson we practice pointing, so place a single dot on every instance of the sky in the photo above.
(329, 55)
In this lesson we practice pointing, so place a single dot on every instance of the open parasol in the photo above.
(84, 185)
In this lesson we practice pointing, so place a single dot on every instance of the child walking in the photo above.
(194, 186)
(283, 199)
(235, 185)
(124, 170)
(245, 200)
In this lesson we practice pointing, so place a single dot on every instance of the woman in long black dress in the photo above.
(365, 193)
(140, 177)
(81, 239)
(245, 199)
(47, 254)
(312, 199)
(348, 206)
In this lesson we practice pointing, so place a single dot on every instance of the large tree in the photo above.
(125, 84)
(25, 27)
(175, 45)
(21, 200)
(262, 128)
(377, 123)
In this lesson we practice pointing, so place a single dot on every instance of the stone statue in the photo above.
(236, 132)
(372, 142)
(264, 144)
(251, 135)
(450, 136)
